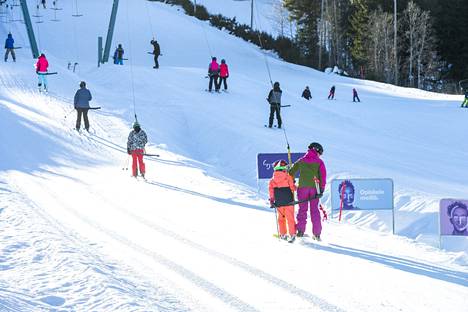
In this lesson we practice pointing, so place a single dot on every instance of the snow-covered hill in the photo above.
(78, 234)
(265, 16)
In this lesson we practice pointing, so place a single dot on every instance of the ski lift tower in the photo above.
(29, 29)
(110, 31)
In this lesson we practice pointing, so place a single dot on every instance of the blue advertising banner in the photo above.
(265, 162)
(454, 217)
(362, 194)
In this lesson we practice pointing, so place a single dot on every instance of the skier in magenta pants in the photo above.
(312, 180)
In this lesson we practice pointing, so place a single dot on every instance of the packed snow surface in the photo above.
(77, 233)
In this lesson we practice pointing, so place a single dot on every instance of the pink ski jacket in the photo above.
(223, 70)
(213, 68)
(42, 64)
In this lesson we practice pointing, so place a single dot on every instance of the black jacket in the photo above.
(306, 94)
(156, 48)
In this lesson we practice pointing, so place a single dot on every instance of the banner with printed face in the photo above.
(362, 194)
(265, 162)
(454, 217)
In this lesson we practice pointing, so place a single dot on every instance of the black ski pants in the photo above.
(223, 80)
(156, 63)
(356, 97)
(8, 51)
(213, 78)
(275, 108)
(84, 112)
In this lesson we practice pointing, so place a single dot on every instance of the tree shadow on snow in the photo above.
(28, 146)
(226, 201)
(406, 265)
(123, 149)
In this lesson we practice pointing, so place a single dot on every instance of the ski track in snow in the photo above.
(77, 236)
(256, 272)
(196, 279)
(86, 271)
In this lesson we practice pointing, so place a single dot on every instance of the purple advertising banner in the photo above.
(454, 217)
(362, 194)
(265, 162)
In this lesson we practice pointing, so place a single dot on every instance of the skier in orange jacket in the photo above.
(281, 189)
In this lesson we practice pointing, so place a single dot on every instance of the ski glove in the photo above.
(272, 203)
(319, 195)
(128, 151)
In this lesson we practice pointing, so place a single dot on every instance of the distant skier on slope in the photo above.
(118, 55)
(81, 103)
(213, 73)
(9, 47)
(136, 142)
(465, 101)
(355, 96)
(42, 66)
(312, 180)
(156, 52)
(306, 93)
(223, 74)
(274, 98)
(331, 96)
(281, 189)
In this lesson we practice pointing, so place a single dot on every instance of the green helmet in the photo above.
(280, 165)
(136, 125)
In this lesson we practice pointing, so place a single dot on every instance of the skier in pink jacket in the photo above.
(223, 74)
(213, 73)
(41, 70)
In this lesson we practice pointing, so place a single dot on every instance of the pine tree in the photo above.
(358, 30)
(451, 28)
(306, 13)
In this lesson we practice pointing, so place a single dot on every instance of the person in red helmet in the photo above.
(281, 190)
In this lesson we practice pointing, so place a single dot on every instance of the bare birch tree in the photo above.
(380, 47)
(418, 37)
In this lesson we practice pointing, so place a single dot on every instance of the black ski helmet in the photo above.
(316, 147)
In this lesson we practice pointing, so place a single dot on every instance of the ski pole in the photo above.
(317, 187)
(69, 113)
(277, 226)
(341, 201)
(125, 164)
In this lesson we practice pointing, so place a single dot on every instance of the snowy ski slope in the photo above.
(78, 234)
(264, 12)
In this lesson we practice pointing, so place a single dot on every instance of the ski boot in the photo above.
(300, 233)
